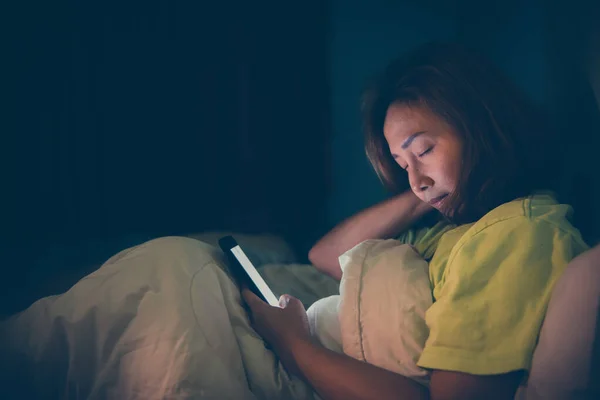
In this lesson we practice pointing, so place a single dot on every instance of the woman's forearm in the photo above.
(338, 376)
(381, 221)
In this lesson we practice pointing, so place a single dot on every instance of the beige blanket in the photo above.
(162, 320)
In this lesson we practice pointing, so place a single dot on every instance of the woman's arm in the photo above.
(381, 221)
(338, 376)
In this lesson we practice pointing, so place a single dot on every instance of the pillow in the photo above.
(379, 316)
(566, 357)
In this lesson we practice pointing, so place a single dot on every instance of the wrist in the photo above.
(417, 207)
(297, 344)
(295, 350)
(422, 208)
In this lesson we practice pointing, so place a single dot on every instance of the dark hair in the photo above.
(506, 144)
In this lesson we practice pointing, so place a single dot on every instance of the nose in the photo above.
(419, 182)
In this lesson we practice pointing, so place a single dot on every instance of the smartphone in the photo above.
(245, 272)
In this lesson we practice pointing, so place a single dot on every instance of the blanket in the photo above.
(379, 315)
(162, 320)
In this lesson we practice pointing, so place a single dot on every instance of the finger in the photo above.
(247, 295)
(291, 301)
(251, 299)
(283, 301)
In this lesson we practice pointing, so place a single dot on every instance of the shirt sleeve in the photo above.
(425, 240)
(493, 297)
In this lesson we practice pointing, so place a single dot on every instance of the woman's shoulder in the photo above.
(425, 239)
(535, 216)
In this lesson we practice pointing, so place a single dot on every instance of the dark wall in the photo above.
(127, 120)
(570, 26)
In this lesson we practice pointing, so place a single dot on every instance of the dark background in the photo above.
(127, 120)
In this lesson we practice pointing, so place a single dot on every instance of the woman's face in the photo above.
(427, 148)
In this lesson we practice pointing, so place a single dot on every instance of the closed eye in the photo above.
(426, 151)
(404, 167)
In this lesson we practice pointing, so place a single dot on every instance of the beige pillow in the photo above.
(567, 353)
(379, 316)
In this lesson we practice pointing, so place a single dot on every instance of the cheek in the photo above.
(450, 171)
(453, 163)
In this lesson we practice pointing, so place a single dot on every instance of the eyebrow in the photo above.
(410, 139)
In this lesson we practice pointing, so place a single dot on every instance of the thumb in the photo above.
(284, 300)
(287, 300)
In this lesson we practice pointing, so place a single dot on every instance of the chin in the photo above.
(447, 213)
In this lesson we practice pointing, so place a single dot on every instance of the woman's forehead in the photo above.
(402, 121)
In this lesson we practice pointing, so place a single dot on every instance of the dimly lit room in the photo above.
(413, 183)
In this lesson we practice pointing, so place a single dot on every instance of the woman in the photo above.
(476, 152)
(167, 321)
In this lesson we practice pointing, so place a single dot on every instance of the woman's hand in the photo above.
(282, 327)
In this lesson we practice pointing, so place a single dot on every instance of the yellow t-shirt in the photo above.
(491, 283)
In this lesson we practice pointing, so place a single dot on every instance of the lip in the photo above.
(436, 202)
